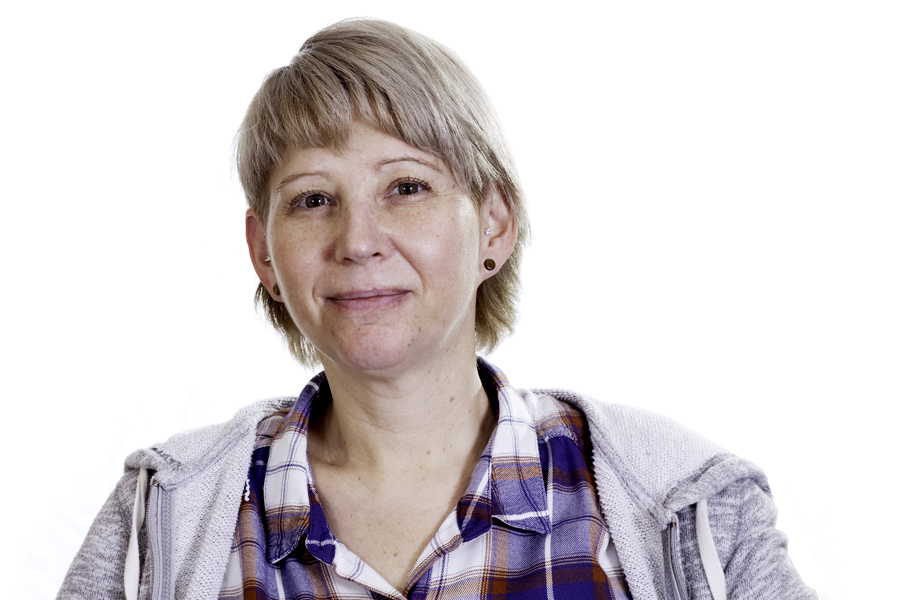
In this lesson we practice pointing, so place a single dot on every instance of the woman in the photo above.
(386, 224)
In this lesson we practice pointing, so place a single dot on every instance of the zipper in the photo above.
(673, 573)
(153, 532)
(159, 541)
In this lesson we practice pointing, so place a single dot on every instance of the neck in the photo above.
(427, 418)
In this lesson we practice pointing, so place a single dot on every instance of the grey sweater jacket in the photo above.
(654, 479)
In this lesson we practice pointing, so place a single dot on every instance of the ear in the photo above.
(499, 243)
(259, 250)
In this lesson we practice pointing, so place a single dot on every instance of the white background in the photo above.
(714, 194)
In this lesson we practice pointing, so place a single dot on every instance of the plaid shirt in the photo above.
(529, 525)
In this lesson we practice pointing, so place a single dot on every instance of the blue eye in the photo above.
(409, 188)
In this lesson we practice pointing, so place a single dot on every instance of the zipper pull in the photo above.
(247, 491)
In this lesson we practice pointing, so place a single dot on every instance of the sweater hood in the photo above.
(190, 452)
(647, 469)
(665, 466)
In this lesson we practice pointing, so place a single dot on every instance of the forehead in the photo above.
(365, 150)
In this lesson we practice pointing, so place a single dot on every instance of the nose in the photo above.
(360, 235)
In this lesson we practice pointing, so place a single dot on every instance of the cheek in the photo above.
(448, 247)
(296, 264)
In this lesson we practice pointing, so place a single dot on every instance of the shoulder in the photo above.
(194, 449)
(741, 520)
(665, 463)
(652, 471)
(642, 438)
(632, 426)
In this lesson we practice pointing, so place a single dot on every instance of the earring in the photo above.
(488, 231)
(276, 290)
(268, 258)
(489, 264)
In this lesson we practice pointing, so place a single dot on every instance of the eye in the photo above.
(309, 200)
(408, 188)
(314, 201)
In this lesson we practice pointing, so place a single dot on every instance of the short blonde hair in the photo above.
(410, 87)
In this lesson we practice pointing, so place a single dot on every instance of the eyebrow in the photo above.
(378, 165)
(297, 176)
(414, 159)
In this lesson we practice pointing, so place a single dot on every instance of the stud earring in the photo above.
(276, 290)
(268, 259)
(489, 264)
(488, 231)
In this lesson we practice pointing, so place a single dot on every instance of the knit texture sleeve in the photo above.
(97, 571)
(752, 551)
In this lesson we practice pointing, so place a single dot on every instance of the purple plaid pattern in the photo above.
(529, 525)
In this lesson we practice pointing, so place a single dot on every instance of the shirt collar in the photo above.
(287, 487)
(507, 483)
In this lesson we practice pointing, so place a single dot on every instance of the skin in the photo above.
(378, 253)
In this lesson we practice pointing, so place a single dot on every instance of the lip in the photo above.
(369, 299)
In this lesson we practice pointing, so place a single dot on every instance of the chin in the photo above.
(372, 352)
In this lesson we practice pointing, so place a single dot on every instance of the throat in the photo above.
(375, 441)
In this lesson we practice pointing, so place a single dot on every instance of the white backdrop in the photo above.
(714, 193)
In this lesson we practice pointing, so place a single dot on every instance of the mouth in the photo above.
(369, 299)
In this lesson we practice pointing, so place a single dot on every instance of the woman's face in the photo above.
(377, 252)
